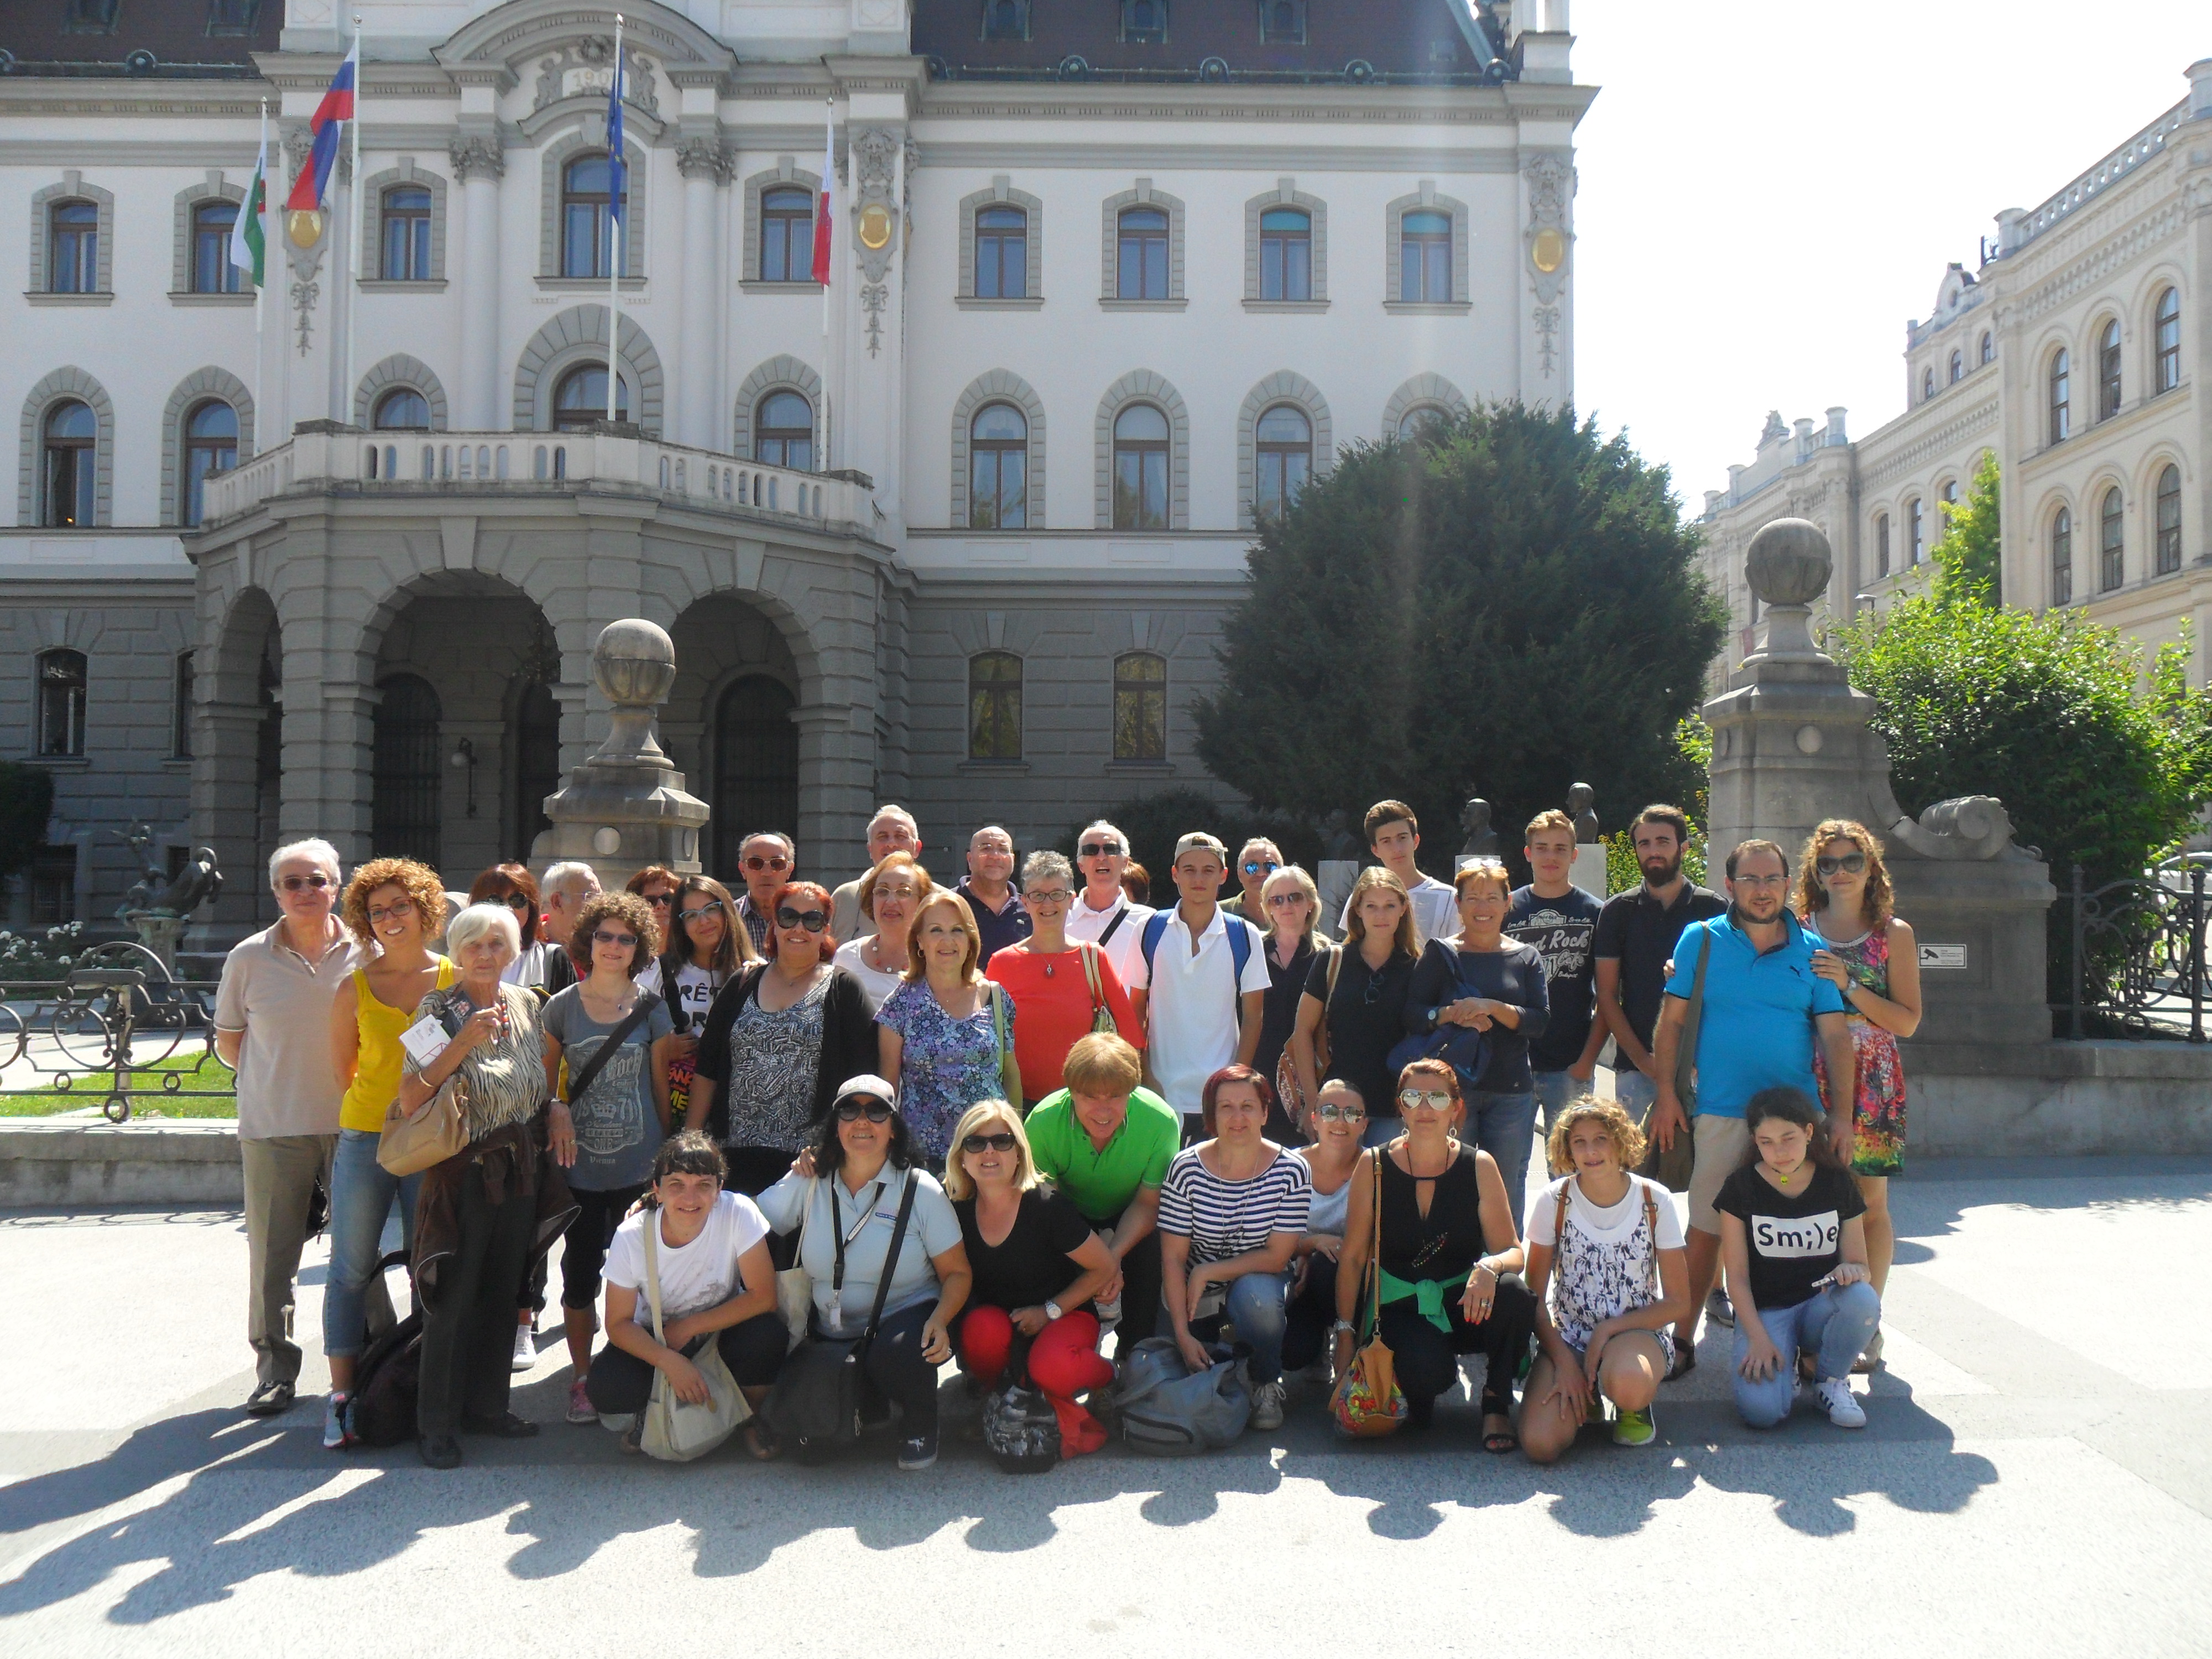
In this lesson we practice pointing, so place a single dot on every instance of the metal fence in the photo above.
(2138, 966)
(117, 1028)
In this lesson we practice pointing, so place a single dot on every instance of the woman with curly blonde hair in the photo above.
(1868, 953)
(394, 906)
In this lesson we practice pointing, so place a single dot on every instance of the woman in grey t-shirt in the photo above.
(622, 1117)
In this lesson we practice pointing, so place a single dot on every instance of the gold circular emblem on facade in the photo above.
(875, 227)
(1549, 250)
(304, 226)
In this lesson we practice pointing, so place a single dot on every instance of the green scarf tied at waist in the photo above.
(1428, 1295)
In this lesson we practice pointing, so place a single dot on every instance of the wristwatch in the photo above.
(1053, 1310)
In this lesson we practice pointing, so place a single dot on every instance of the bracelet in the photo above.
(1345, 1325)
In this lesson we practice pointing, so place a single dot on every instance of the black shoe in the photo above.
(918, 1451)
(269, 1400)
(507, 1427)
(438, 1451)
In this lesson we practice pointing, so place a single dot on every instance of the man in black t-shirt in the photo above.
(1559, 921)
(1636, 935)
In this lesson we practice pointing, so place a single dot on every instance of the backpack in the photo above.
(1240, 942)
(1020, 1429)
(1165, 1410)
(388, 1378)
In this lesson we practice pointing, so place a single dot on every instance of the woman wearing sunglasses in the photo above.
(622, 1116)
(1336, 1121)
(704, 947)
(513, 885)
(843, 1197)
(1062, 988)
(1037, 1265)
(1844, 898)
(1450, 1258)
(779, 1038)
(1290, 902)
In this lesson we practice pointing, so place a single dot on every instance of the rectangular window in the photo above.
(212, 271)
(994, 707)
(73, 252)
(1143, 270)
(1141, 707)
(1424, 263)
(1002, 254)
(50, 886)
(1286, 255)
(61, 703)
(180, 741)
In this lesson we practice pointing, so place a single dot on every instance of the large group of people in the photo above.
(1026, 1123)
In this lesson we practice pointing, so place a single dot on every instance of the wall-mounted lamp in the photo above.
(464, 757)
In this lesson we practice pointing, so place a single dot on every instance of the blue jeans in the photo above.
(1636, 1092)
(1504, 1126)
(1556, 1092)
(362, 1193)
(1259, 1307)
(1835, 1327)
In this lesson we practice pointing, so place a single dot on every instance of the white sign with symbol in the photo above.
(1942, 957)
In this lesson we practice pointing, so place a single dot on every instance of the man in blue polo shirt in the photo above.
(1764, 1006)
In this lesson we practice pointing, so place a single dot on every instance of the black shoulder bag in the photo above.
(818, 1394)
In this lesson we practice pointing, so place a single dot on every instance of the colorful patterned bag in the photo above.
(1367, 1402)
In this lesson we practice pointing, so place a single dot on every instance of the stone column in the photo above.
(479, 163)
(706, 167)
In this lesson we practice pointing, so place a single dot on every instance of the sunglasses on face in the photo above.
(1001, 1142)
(387, 912)
(852, 1111)
(812, 921)
(1100, 849)
(659, 899)
(711, 908)
(515, 902)
(1328, 1111)
(1261, 866)
(1284, 901)
(774, 861)
(1851, 863)
(299, 884)
(627, 941)
(1437, 1100)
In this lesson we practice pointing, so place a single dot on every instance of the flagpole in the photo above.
(617, 225)
(259, 187)
(823, 462)
(357, 223)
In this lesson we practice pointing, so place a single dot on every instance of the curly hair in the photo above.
(1877, 904)
(424, 889)
(1609, 1114)
(633, 913)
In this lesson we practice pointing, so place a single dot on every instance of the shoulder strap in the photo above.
(580, 1081)
(891, 1255)
(1651, 1226)
(1374, 1273)
(1090, 978)
(652, 1271)
(1155, 927)
(1114, 926)
(1240, 947)
(1335, 965)
(1559, 1221)
(669, 994)
(998, 996)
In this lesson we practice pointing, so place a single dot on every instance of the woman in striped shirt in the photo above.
(1231, 1212)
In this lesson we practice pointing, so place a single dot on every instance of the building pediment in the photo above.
(523, 35)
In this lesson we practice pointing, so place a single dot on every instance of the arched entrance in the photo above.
(238, 742)
(727, 724)
(537, 764)
(756, 765)
(406, 772)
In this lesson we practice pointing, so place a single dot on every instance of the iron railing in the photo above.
(2138, 954)
(117, 1013)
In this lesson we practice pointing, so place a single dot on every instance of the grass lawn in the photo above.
(92, 1088)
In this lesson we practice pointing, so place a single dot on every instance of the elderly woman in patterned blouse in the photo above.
(483, 1213)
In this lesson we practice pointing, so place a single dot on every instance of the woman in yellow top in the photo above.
(394, 906)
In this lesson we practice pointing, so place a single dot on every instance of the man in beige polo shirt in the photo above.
(272, 1021)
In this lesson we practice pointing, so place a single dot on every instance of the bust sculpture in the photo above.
(1581, 808)
(1481, 840)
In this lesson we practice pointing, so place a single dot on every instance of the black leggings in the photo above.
(1427, 1359)
(1313, 1314)
(620, 1382)
(584, 1245)
(468, 1321)
(897, 1371)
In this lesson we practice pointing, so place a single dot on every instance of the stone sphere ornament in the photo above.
(1788, 562)
(633, 662)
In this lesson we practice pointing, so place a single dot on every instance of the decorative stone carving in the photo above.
(875, 214)
(478, 157)
(1481, 840)
(704, 158)
(586, 69)
(1546, 240)
(1582, 803)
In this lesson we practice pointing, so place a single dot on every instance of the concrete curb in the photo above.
(73, 1162)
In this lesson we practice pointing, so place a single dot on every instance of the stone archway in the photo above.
(729, 723)
(238, 748)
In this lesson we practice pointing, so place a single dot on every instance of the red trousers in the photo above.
(1064, 1361)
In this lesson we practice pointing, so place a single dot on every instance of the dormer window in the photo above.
(1283, 22)
(1145, 22)
(1005, 19)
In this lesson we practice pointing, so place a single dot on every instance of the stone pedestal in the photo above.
(159, 932)
(1590, 869)
(626, 807)
(1334, 878)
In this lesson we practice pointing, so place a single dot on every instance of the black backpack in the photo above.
(388, 1380)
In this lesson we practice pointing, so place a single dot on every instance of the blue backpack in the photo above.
(1240, 942)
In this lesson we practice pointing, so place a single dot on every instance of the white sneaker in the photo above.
(1844, 1408)
(526, 1348)
(1267, 1406)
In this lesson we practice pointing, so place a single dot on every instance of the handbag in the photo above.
(820, 1393)
(1010, 1068)
(674, 1431)
(1460, 1047)
(1367, 1402)
(409, 1145)
(1102, 1017)
(1671, 1168)
(794, 1286)
(1288, 1089)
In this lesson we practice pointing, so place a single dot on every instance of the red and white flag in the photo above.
(826, 206)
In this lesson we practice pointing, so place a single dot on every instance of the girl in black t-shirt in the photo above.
(1037, 1264)
(1794, 1242)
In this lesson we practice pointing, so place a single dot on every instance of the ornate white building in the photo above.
(2078, 353)
(1111, 276)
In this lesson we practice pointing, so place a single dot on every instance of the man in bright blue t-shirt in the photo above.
(1763, 1007)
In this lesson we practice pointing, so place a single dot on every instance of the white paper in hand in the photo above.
(424, 1041)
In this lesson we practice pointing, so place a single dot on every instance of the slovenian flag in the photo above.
(249, 237)
(314, 184)
(824, 208)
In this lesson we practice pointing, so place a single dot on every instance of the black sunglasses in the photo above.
(1854, 863)
(516, 901)
(660, 898)
(1001, 1142)
(812, 921)
(1100, 849)
(852, 1111)
(297, 883)
(627, 941)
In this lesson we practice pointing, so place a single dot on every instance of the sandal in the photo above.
(762, 1443)
(1685, 1361)
(1499, 1442)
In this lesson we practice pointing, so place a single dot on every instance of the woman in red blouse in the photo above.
(1059, 989)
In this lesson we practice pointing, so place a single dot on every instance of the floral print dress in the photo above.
(1878, 1113)
(946, 1064)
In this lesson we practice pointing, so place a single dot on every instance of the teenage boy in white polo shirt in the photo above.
(1209, 977)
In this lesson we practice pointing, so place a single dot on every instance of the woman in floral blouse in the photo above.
(946, 1034)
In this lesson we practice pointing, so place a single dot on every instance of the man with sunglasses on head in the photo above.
(893, 829)
(766, 859)
(1103, 914)
(1259, 859)
(272, 1026)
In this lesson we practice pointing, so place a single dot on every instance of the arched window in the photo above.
(407, 765)
(783, 431)
(210, 445)
(756, 765)
(786, 235)
(2062, 557)
(73, 247)
(1005, 19)
(2061, 399)
(994, 706)
(61, 702)
(1915, 529)
(2169, 497)
(1141, 707)
(1002, 253)
(1958, 366)
(404, 409)
(997, 468)
(1988, 347)
(1881, 544)
(1283, 22)
(212, 271)
(2111, 543)
(1143, 252)
(2108, 371)
(1145, 21)
(71, 475)
(1950, 494)
(2166, 341)
(581, 398)
(1425, 257)
(406, 217)
(1282, 458)
(1927, 384)
(1286, 254)
(1140, 469)
(1422, 421)
(587, 217)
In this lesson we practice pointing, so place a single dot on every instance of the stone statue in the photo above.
(1338, 843)
(157, 893)
(1481, 839)
(1581, 808)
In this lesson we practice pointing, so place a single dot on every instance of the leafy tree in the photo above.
(1969, 564)
(1500, 607)
(1154, 823)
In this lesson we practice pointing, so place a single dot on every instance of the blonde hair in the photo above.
(1550, 818)
(1355, 927)
(1627, 1139)
(917, 969)
(1876, 904)
(1291, 875)
(923, 885)
(1102, 1063)
(958, 1183)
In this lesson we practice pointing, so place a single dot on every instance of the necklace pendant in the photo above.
(1048, 969)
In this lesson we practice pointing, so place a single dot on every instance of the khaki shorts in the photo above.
(1719, 1146)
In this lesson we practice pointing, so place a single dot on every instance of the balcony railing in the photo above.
(2081, 191)
(501, 463)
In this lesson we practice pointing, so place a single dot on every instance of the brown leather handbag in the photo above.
(410, 1145)
(1367, 1403)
